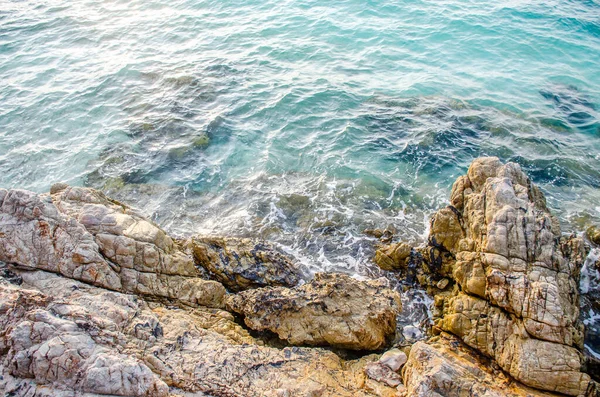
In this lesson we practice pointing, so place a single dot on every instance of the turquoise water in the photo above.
(297, 121)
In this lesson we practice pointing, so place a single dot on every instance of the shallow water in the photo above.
(296, 121)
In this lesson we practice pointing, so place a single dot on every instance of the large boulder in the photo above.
(517, 299)
(242, 263)
(81, 234)
(332, 309)
(444, 367)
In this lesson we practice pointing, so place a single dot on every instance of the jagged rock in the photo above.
(496, 333)
(241, 264)
(444, 367)
(518, 297)
(332, 309)
(393, 256)
(81, 234)
(61, 337)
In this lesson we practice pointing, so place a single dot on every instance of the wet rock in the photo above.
(517, 300)
(377, 233)
(241, 264)
(81, 234)
(332, 309)
(61, 337)
(444, 367)
(393, 256)
(593, 234)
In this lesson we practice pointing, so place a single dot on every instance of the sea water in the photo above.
(302, 122)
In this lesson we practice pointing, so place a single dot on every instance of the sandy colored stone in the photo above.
(332, 309)
(518, 299)
(444, 367)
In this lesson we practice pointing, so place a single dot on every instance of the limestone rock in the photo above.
(444, 367)
(332, 309)
(517, 300)
(81, 234)
(61, 337)
(241, 264)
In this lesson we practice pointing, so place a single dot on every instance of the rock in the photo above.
(442, 284)
(332, 309)
(377, 233)
(382, 373)
(52, 350)
(444, 367)
(393, 257)
(61, 337)
(517, 300)
(81, 234)
(393, 359)
(593, 234)
(241, 264)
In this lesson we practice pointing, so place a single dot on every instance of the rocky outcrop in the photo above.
(444, 367)
(517, 277)
(97, 301)
(241, 263)
(59, 337)
(81, 234)
(332, 309)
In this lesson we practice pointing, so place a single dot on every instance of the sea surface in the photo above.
(302, 122)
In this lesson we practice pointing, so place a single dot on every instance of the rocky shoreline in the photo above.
(97, 300)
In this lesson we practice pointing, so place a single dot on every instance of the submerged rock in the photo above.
(332, 309)
(241, 264)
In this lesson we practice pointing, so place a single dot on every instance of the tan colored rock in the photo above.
(393, 256)
(240, 263)
(60, 337)
(81, 234)
(501, 335)
(444, 367)
(332, 309)
(518, 276)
